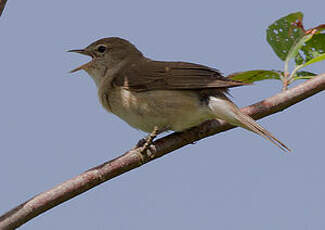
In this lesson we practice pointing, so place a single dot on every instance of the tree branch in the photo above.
(2, 6)
(133, 159)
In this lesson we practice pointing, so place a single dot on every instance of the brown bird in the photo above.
(155, 95)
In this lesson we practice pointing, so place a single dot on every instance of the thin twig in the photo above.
(132, 159)
(2, 6)
(285, 81)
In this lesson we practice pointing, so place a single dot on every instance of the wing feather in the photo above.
(155, 75)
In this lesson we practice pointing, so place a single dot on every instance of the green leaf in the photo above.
(304, 75)
(293, 52)
(259, 75)
(255, 75)
(312, 50)
(284, 33)
(316, 59)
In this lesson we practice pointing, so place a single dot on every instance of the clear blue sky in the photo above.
(53, 127)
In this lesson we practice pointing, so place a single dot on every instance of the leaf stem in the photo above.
(290, 78)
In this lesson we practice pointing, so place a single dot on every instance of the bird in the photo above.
(158, 96)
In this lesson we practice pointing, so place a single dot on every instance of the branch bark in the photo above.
(133, 159)
(2, 6)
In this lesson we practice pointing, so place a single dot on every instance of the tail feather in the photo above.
(250, 124)
(225, 109)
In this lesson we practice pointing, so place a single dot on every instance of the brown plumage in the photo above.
(151, 94)
(145, 74)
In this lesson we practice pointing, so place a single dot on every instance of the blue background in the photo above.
(53, 127)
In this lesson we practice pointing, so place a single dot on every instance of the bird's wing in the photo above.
(155, 75)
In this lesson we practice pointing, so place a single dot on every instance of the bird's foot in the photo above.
(145, 143)
(141, 142)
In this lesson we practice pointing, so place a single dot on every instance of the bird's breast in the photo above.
(166, 109)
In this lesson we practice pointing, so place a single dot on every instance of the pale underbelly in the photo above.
(165, 109)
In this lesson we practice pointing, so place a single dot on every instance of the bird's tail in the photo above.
(228, 111)
(250, 124)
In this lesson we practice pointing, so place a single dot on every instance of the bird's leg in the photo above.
(151, 136)
(149, 139)
(145, 143)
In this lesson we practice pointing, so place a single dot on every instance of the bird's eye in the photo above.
(101, 49)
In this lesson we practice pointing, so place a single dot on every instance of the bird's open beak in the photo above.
(83, 52)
